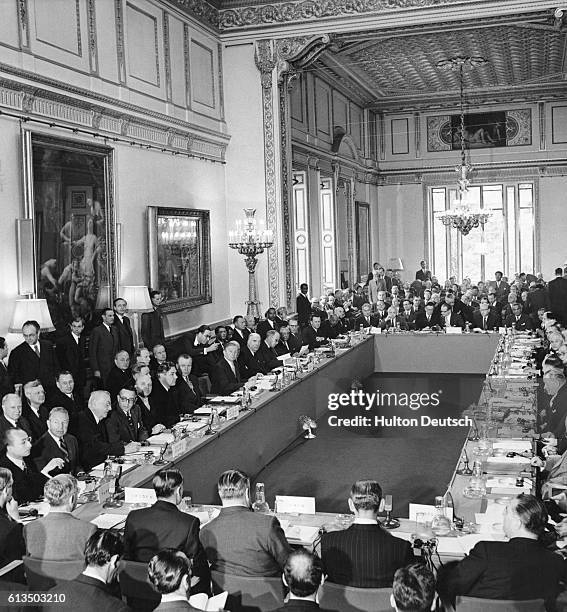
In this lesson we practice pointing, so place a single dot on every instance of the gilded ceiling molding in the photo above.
(309, 10)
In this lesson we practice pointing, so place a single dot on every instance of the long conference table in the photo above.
(259, 435)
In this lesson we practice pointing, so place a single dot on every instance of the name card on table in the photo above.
(232, 412)
(427, 511)
(375, 330)
(290, 504)
(103, 491)
(453, 330)
(136, 495)
(176, 449)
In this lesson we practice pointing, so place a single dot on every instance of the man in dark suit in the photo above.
(91, 591)
(241, 542)
(152, 322)
(123, 327)
(268, 324)
(28, 482)
(147, 404)
(423, 274)
(518, 320)
(500, 287)
(34, 411)
(521, 568)
(557, 292)
(103, 345)
(59, 536)
(163, 397)
(366, 318)
(426, 318)
(394, 320)
(12, 545)
(303, 575)
(163, 525)
(484, 318)
(288, 344)
(71, 351)
(64, 395)
(11, 416)
(408, 313)
(364, 555)
(6, 384)
(187, 393)
(169, 572)
(57, 443)
(448, 318)
(124, 423)
(295, 331)
(226, 376)
(119, 375)
(249, 359)
(93, 439)
(555, 386)
(241, 332)
(312, 334)
(267, 351)
(34, 358)
(303, 305)
(203, 348)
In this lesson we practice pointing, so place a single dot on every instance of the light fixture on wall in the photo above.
(31, 310)
(180, 237)
(250, 241)
(462, 215)
(138, 299)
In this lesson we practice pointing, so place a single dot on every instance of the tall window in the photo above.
(301, 229)
(505, 243)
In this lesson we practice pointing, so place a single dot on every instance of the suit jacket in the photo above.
(455, 320)
(188, 400)
(223, 380)
(303, 307)
(301, 605)
(86, 594)
(24, 364)
(152, 328)
(245, 543)
(71, 355)
(409, 317)
(37, 425)
(175, 606)
(147, 415)
(124, 333)
(291, 346)
(501, 291)
(264, 327)
(58, 536)
(202, 364)
(523, 324)
(117, 379)
(93, 440)
(557, 412)
(6, 384)
(5, 424)
(310, 336)
(557, 291)
(241, 338)
(163, 525)
(268, 356)
(250, 364)
(365, 556)
(46, 448)
(399, 320)
(519, 569)
(12, 545)
(164, 404)
(119, 429)
(422, 275)
(421, 321)
(374, 286)
(73, 406)
(103, 345)
(361, 320)
(28, 485)
(492, 320)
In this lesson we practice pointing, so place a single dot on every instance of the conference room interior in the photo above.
(141, 139)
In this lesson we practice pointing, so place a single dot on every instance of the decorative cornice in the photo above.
(200, 10)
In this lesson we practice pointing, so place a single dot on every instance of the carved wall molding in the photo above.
(93, 43)
(200, 10)
(120, 51)
(24, 25)
(108, 123)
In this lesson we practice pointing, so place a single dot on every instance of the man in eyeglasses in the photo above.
(124, 423)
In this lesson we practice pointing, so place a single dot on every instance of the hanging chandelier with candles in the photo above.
(462, 215)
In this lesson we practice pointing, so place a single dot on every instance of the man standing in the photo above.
(268, 324)
(501, 287)
(64, 395)
(241, 332)
(56, 443)
(34, 358)
(120, 374)
(123, 326)
(152, 322)
(103, 346)
(303, 305)
(423, 274)
(71, 350)
(557, 290)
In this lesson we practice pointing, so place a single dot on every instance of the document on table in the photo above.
(221, 399)
(161, 439)
(210, 604)
(108, 521)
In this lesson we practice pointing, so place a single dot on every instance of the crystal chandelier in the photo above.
(461, 215)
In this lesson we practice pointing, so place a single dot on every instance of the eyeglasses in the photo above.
(130, 400)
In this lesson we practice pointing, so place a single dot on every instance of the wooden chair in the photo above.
(249, 594)
(474, 604)
(135, 586)
(42, 575)
(352, 599)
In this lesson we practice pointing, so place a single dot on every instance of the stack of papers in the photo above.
(108, 521)
(161, 439)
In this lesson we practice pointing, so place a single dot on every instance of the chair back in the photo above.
(42, 575)
(135, 586)
(353, 599)
(249, 594)
(474, 604)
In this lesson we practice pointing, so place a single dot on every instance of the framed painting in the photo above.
(180, 256)
(69, 196)
(362, 223)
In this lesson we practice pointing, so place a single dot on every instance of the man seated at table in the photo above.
(413, 589)
(91, 591)
(364, 555)
(303, 575)
(93, 439)
(366, 318)
(313, 335)
(484, 318)
(187, 392)
(518, 320)
(226, 376)
(239, 541)
(11, 416)
(28, 481)
(12, 545)
(163, 399)
(56, 442)
(170, 574)
(124, 423)
(163, 525)
(267, 351)
(65, 396)
(394, 320)
(34, 410)
(521, 568)
(448, 318)
(249, 358)
(58, 536)
(288, 344)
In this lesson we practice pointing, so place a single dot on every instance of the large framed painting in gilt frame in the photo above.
(69, 195)
(179, 241)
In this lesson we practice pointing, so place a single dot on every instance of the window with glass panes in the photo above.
(505, 243)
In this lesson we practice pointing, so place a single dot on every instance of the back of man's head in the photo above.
(167, 569)
(166, 482)
(413, 589)
(303, 573)
(102, 546)
(366, 495)
(233, 484)
(531, 512)
(60, 490)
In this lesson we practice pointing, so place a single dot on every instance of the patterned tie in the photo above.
(130, 420)
(64, 448)
(36, 349)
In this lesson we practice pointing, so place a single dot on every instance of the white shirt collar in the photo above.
(19, 462)
(365, 521)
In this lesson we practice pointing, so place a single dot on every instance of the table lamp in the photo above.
(31, 310)
(138, 299)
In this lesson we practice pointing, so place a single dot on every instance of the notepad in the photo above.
(108, 521)
(210, 604)
(161, 439)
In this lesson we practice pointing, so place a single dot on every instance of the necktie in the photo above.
(483, 322)
(130, 420)
(36, 349)
(64, 447)
(189, 383)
